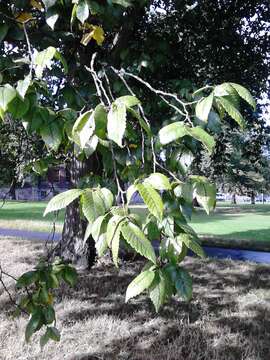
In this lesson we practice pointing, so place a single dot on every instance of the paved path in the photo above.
(31, 235)
(213, 252)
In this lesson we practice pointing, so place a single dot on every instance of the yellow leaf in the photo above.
(24, 17)
(97, 34)
(133, 146)
(36, 4)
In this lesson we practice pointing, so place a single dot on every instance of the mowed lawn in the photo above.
(238, 224)
(250, 223)
(28, 215)
(228, 318)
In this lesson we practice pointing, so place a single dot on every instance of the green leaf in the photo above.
(91, 146)
(92, 205)
(83, 128)
(117, 123)
(203, 107)
(142, 122)
(62, 200)
(201, 135)
(99, 233)
(107, 198)
(43, 60)
(100, 116)
(245, 95)
(23, 86)
(128, 101)
(183, 284)
(51, 135)
(158, 291)
(44, 340)
(3, 31)
(192, 243)
(158, 181)
(27, 279)
(48, 311)
(52, 16)
(49, 3)
(18, 108)
(205, 193)
(33, 325)
(172, 132)
(142, 282)
(151, 199)
(7, 94)
(130, 192)
(53, 333)
(137, 240)
(114, 227)
(231, 110)
(124, 3)
(82, 11)
(70, 276)
(115, 244)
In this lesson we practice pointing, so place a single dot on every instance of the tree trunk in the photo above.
(252, 197)
(234, 198)
(12, 190)
(72, 247)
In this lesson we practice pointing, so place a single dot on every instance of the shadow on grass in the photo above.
(184, 331)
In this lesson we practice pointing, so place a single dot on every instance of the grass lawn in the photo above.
(228, 318)
(28, 215)
(242, 223)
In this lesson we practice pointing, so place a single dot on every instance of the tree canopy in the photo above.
(98, 83)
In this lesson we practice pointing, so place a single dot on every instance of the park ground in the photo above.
(240, 225)
(228, 318)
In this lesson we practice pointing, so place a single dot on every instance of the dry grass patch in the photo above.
(227, 320)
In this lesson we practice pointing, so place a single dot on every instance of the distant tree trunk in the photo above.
(252, 197)
(72, 245)
(234, 198)
(12, 189)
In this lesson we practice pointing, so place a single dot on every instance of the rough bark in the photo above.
(72, 247)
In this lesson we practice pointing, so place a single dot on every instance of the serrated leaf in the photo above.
(203, 107)
(116, 125)
(142, 282)
(201, 135)
(172, 132)
(205, 193)
(183, 284)
(82, 12)
(83, 128)
(92, 205)
(151, 199)
(23, 86)
(137, 240)
(70, 275)
(128, 101)
(158, 291)
(158, 181)
(62, 200)
(192, 243)
(113, 229)
(43, 60)
(99, 233)
(107, 197)
(231, 110)
(115, 244)
(244, 94)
